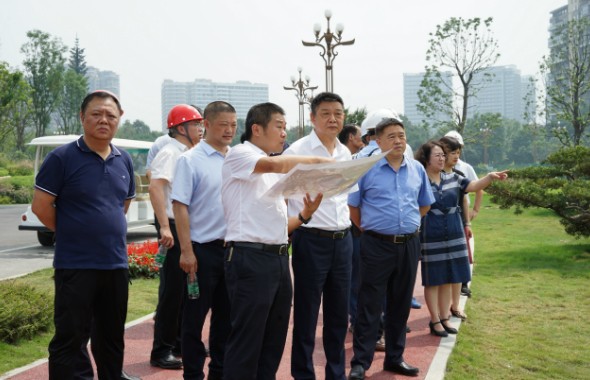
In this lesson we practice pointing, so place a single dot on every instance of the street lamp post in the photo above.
(328, 53)
(301, 87)
(485, 131)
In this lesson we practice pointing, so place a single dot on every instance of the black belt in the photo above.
(217, 242)
(397, 239)
(327, 234)
(279, 249)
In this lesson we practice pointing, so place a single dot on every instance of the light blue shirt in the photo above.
(371, 149)
(197, 184)
(389, 201)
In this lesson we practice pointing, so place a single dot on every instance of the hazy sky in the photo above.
(148, 41)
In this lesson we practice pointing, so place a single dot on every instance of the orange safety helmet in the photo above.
(181, 114)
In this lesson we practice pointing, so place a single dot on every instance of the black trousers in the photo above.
(214, 297)
(84, 297)
(387, 270)
(321, 270)
(260, 293)
(170, 297)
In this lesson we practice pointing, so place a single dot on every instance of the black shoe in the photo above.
(126, 376)
(357, 372)
(448, 328)
(465, 291)
(402, 368)
(434, 332)
(408, 329)
(167, 362)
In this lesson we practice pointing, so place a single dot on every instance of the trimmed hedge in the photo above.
(24, 312)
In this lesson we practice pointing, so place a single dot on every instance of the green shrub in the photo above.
(21, 168)
(24, 312)
(16, 190)
(3, 172)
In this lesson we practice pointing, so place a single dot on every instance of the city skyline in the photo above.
(226, 42)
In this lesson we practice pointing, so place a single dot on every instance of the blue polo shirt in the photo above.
(90, 194)
(389, 201)
(197, 184)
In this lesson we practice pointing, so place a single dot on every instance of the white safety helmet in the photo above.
(456, 135)
(373, 118)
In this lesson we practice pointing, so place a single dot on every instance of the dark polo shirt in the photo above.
(90, 195)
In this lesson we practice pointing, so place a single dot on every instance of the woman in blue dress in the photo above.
(444, 248)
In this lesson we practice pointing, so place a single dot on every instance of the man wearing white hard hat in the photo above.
(368, 132)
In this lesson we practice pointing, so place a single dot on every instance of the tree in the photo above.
(77, 61)
(137, 130)
(567, 74)
(74, 88)
(356, 117)
(14, 105)
(44, 66)
(466, 48)
(561, 185)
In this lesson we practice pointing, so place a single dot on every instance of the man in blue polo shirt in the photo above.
(393, 196)
(198, 212)
(82, 192)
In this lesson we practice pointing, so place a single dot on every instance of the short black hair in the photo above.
(102, 94)
(217, 107)
(324, 97)
(423, 153)
(450, 144)
(386, 123)
(260, 114)
(346, 132)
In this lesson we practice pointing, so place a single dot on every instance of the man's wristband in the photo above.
(303, 220)
(467, 224)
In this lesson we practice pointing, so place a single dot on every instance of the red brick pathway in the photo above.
(420, 350)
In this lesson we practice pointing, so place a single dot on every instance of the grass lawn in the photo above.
(529, 314)
(143, 295)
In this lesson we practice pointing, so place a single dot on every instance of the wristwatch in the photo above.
(302, 220)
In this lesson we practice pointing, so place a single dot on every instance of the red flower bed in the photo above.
(141, 259)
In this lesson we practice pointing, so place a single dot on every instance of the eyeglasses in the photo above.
(440, 155)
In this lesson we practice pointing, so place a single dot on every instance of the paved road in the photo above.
(21, 253)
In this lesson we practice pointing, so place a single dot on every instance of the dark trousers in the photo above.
(170, 297)
(260, 293)
(213, 296)
(82, 298)
(355, 278)
(387, 270)
(321, 270)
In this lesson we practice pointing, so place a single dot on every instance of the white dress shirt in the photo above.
(333, 213)
(250, 216)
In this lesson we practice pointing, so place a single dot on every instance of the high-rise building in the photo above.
(574, 9)
(103, 80)
(502, 89)
(241, 94)
(411, 100)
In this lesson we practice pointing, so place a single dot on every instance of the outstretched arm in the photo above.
(484, 182)
(284, 163)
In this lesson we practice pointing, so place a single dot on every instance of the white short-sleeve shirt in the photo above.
(251, 217)
(164, 165)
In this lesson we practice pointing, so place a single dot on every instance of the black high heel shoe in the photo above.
(434, 332)
(449, 329)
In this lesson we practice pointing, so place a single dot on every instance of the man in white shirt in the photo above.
(256, 259)
(322, 252)
(184, 125)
